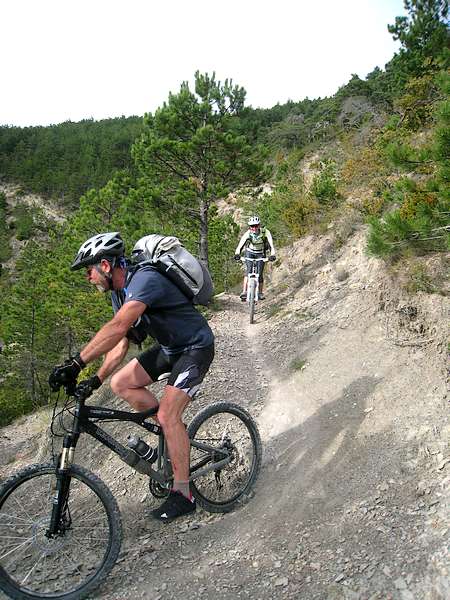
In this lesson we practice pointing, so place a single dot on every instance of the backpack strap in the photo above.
(133, 269)
(131, 272)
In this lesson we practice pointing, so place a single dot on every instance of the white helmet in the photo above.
(254, 221)
(104, 245)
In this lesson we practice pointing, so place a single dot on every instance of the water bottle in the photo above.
(144, 450)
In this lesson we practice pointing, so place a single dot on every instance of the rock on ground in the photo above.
(345, 376)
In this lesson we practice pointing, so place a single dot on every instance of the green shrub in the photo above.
(291, 210)
(273, 310)
(324, 185)
(416, 106)
(419, 280)
(23, 223)
(421, 223)
(14, 403)
(5, 251)
(297, 364)
(364, 166)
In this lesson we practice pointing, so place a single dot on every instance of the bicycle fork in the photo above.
(63, 479)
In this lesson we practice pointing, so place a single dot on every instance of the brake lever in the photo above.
(70, 388)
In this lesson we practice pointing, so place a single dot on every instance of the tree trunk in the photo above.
(203, 247)
(33, 359)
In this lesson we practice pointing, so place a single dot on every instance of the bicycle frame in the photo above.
(82, 424)
(253, 276)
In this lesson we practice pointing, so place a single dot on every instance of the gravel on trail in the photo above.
(345, 375)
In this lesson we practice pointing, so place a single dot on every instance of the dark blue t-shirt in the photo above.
(172, 319)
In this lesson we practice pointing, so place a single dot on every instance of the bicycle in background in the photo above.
(253, 284)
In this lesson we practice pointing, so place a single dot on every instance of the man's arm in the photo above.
(242, 241)
(114, 331)
(270, 240)
(113, 359)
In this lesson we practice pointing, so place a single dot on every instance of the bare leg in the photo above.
(129, 383)
(171, 407)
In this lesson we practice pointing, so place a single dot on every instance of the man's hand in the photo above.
(66, 374)
(272, 257)
(237, 257)
(85, 388)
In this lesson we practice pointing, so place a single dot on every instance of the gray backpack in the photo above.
(168, 256)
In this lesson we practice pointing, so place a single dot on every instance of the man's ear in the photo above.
(105, 265)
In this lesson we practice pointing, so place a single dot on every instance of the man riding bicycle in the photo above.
(145, 302)
(257, 241)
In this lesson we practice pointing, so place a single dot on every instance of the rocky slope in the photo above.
(345, 376)
(45, 212)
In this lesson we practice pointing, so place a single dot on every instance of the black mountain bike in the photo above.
(60, 526)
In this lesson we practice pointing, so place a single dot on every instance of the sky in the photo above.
(68, 60)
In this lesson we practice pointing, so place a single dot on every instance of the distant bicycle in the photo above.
(253, 284)
(60, 526)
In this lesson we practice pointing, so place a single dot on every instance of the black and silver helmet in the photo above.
(104, 245)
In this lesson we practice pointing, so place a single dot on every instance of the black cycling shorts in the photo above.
(187, 369)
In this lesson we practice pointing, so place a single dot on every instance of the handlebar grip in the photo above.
(70, 388)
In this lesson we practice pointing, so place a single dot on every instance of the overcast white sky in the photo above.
(74, 59)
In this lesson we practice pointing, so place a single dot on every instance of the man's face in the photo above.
(96, 274)
(254, 228)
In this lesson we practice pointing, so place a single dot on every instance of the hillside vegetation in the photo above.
(378, 151)
(64, 161)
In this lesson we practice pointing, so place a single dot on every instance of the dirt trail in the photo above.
(345, 377)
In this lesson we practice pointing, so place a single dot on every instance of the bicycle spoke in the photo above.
(232, 437)
(27, 541)
(22, 508)
(89, 539)
(69, 558)
(76, 512)
(31, 570)
(39, 564)
(14, 517)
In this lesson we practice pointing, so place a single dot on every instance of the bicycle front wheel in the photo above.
(224, 431)
(71, 563)
(251, 300)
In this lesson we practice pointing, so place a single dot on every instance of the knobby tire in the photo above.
(251, 300)
(92, 526)
(225, 425)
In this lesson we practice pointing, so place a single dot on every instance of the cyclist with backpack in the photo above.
(145, 302)
(257, 241)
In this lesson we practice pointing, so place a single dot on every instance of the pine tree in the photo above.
(193, 152)
(424, 36)
(422, 222)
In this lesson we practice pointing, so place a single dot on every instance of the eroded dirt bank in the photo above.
(345, 377)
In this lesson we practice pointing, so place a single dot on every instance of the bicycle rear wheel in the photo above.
(70, 564)
(251, 299)
(224, 430)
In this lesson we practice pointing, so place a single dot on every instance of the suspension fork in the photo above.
(63, 479)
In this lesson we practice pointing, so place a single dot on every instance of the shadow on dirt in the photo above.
(323, 456)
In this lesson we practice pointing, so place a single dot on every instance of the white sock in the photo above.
(183, 488)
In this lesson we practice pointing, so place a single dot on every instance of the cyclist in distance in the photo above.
(144, 302)
(257, 241)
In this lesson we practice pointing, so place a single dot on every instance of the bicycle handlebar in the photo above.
(243, 259)
(69, 388)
